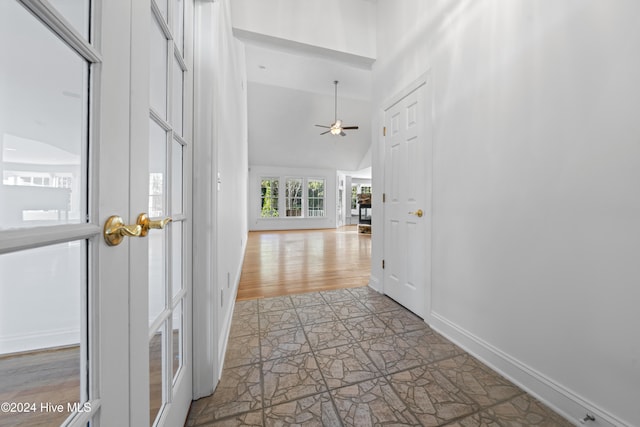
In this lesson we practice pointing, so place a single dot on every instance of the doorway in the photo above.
(407, 197)
(94, 125)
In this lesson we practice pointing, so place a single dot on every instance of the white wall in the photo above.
(340, 25)
(535, 200)
(282, 223)
(220, 187)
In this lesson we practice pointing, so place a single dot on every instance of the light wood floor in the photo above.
(288, 262)
(39, 377)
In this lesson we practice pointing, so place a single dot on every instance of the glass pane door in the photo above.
(47, 240)
(167, 142)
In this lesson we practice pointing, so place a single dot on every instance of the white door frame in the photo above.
(424, 80)
(206, 301)
(113, 139)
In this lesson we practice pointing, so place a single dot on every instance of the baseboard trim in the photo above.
(562, 400)
(226, 329)
(374, 284)
(39, 340)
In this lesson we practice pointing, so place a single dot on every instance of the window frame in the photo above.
(283, 198)
(289, 199)
(323, 198)
(277, 209)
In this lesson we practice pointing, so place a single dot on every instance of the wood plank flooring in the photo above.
(288, 262)
(39, 377)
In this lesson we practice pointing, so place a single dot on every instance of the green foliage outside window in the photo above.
(269, 198)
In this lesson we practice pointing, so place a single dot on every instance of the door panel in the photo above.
(75, 149)
(168, 157)
(43, 318)
(48, 236)
(408, 203)
(43, 125)
(158, 63)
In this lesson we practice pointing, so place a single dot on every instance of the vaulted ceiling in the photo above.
(291, 67)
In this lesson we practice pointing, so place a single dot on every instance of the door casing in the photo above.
(423, 179)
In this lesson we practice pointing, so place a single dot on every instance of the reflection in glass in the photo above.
(43, 132)
(176, 257)
(42, 315)
(162, 7)
(178, 23)
(177, 97)
(157, 169)
(76, 12)
(157, 238)
(176, 178)
(157, 275)
(158, 78)
(156, 346)
(177, 337)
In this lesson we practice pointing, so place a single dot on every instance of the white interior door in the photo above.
(407, 207)
(63, 295)
(92, 334)
(164, 39)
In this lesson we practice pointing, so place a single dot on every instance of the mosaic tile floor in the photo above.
(353, 357)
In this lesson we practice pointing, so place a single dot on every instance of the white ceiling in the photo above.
(297, 66)
(291, 89)
(282, 129)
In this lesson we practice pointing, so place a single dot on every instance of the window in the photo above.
(269, 197)
(303, 197)
(354, 196)
(315, 197)
(293, 197)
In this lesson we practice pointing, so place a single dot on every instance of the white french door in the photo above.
(166, 356)
(95, 123)
(407, 208)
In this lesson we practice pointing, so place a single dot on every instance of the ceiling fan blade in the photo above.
(325, 132)
(349, 127)
(323, 126)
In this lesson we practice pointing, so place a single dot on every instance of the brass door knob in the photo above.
(115, 230)
(147, 223)
(417, 213)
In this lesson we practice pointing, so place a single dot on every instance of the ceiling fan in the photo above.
(336, 128)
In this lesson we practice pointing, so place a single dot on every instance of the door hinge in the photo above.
(384, 197)
(384, 131)
(383, 264)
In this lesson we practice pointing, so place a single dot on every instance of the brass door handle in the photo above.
(115, 230)
(147, 223)
(417, 213)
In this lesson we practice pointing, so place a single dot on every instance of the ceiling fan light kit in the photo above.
(336, 128)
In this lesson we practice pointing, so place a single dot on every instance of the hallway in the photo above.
(350, 356)
(353, 357)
